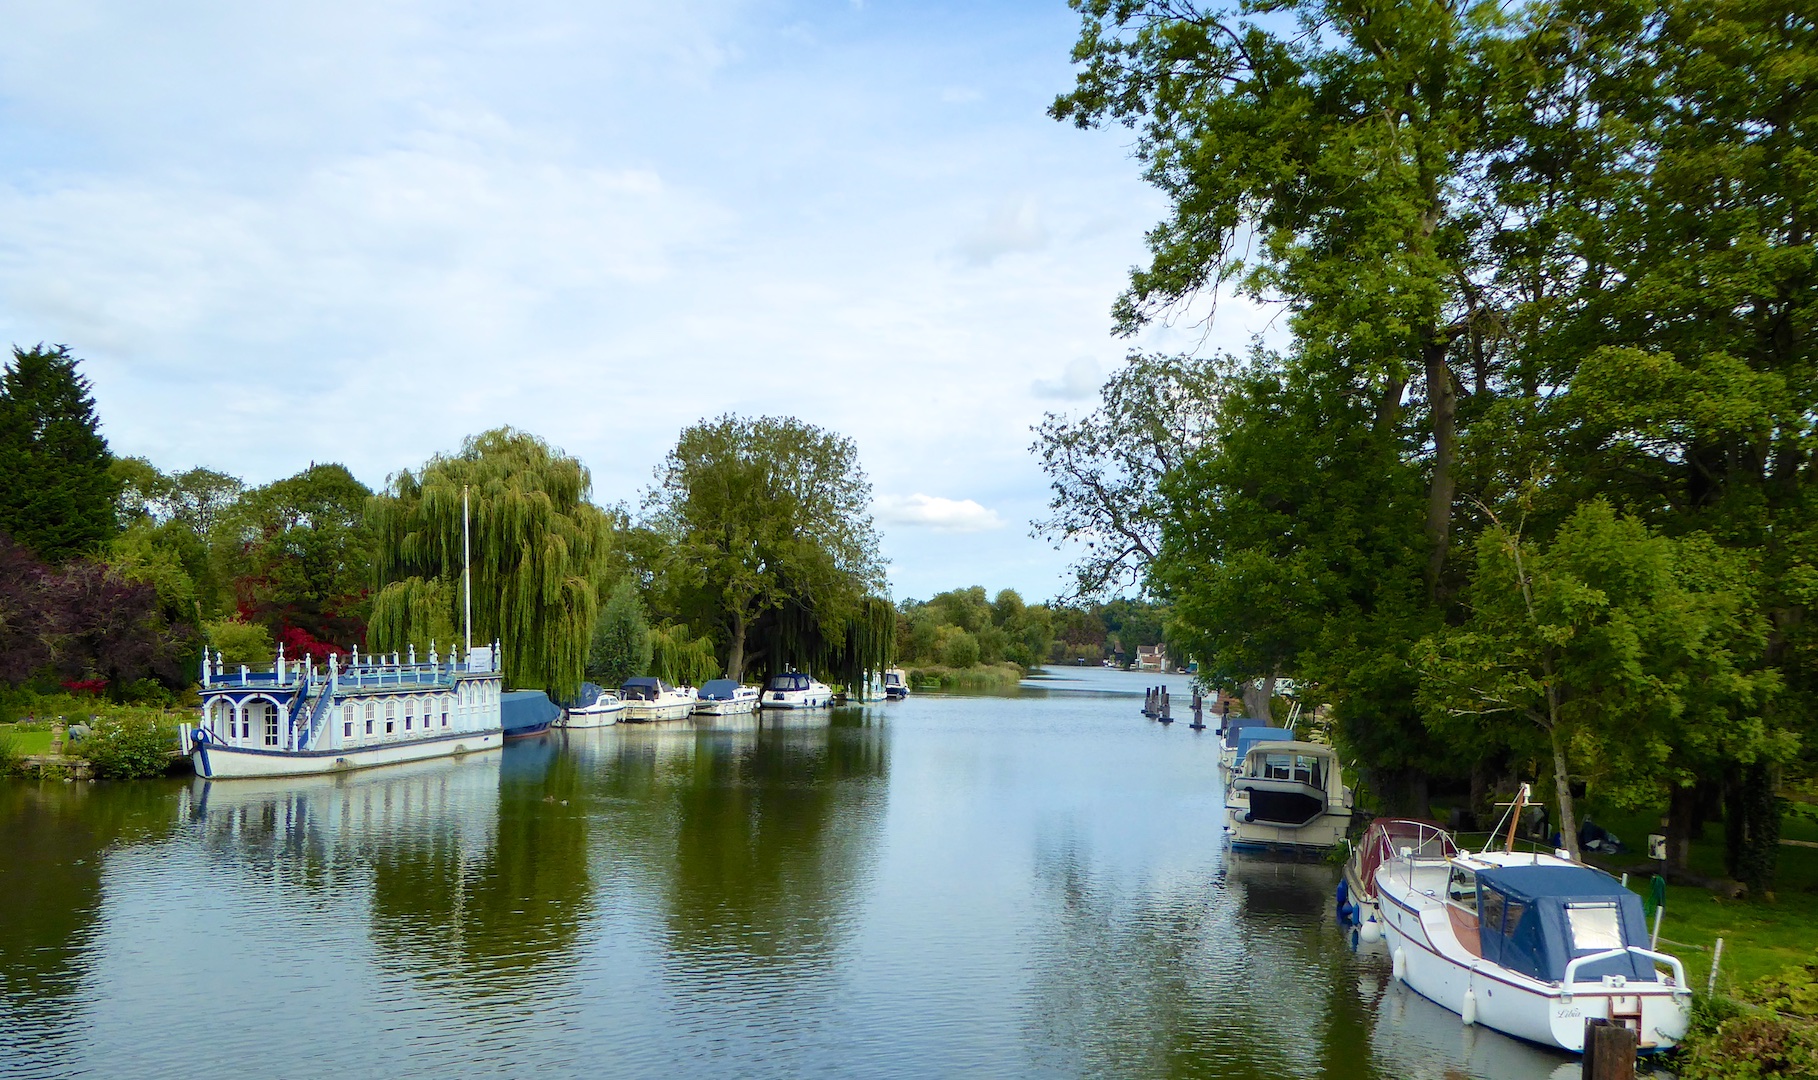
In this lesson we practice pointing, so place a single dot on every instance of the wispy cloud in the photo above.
(934, 512)
(1013, 226)
(1079, 382)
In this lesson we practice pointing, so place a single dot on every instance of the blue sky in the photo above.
(359, 232)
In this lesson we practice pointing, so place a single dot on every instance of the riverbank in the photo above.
(979, 679)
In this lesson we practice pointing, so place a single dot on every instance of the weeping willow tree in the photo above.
(539, 556)
(858, 642)
(766, 539)
(869, 643)
(679, 658)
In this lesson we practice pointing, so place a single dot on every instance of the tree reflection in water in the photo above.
(57, 839)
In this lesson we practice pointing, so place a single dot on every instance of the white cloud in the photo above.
(1079, 382)
(934, 512)
(1012, 227)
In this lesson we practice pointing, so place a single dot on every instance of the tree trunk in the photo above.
(1568, 819)
(735, 655)
(1257, 698)
(1682, 817)
(1442, 399)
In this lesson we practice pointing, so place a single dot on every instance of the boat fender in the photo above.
(1344, 895)
(1399, 966)
(1468, 1011)
(1371, 932)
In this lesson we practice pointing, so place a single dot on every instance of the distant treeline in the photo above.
(962, 628)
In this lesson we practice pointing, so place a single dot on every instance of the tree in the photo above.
(621, 647)
(302, 550)
(25, 634)
(56, 493)
(1606, 654)
(1332, 139)
(540, 552)
(1105, 468)
(770, 544)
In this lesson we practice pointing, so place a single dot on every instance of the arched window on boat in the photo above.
(347, 721)
(391, 717)
(410, 712)
(369, 717)
(444, 700)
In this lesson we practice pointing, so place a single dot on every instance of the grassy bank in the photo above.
(980, 678)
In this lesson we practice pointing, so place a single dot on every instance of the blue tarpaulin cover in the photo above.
(718, 690)
(642, 688)
(1232, 727)
(1534, 931)
(523, 710)
(1249, 737)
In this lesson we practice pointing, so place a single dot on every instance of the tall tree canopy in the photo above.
(769, 539)
(540, 553)
(56, 491)
(301, 551)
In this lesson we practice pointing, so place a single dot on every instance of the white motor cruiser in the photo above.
(598, 707)
(651, 699)
(723, 697)
(1288, 796)
(1531, 945)
(796, 690)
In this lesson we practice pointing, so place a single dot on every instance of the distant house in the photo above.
(1151, 658)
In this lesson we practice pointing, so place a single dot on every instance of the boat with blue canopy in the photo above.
(725, 697)
(648, 699)
(1530, 944)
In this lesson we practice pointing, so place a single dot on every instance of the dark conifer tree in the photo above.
(56, 493)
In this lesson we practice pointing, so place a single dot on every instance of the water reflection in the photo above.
(1022, 886)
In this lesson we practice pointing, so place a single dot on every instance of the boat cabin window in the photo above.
(1462, 887)
(1490, 915)
(369, 712)
(1299, 768)
(347, 721)
(271, 725)
(791, 681)
(1595, 927)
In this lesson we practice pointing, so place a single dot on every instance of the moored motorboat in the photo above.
(896, 684)
(299, 719)
(1239, 736)
(595, 707)
(1530, 944)
(796, 690)
(724, 697)
(527, 713)
(1288, 796)
(648, 699)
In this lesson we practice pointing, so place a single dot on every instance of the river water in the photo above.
(1022, 886)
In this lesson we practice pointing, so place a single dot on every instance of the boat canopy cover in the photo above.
(1249, 737)
(589, 694)
(719, 690)
(793, 680)
(642, 688)
(521, 709)
(1234, 726)
(1536, 919)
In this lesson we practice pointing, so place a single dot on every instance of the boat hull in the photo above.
(1512, 1004)
(593, 718)
(1322, 834)
(726, 708)
(217, 761)
(648, 712)
(793, 699)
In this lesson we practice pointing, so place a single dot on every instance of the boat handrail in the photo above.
(1569, 984)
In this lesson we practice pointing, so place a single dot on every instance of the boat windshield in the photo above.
(1595, 927)
(794, 680)
(1462, 888)
(1299, 768)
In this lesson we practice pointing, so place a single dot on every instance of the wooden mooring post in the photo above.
(1167, 713)
(1609, 1051)
(1198, 724)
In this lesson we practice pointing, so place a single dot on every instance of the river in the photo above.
(1020, 886)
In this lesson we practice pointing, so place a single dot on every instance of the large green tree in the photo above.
(56, 491)
(768, 539)
(301, 551)
(540, 556)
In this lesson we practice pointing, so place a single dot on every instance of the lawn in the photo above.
(34, 739)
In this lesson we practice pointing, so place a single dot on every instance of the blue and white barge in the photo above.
(299, 719)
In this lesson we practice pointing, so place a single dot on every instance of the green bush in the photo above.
(129, 747)
(960, 650)
(10, 757)
(1728, 1040)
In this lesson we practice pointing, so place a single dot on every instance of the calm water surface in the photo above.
(1028, 886)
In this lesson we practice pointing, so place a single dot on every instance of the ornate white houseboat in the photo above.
(300, 718)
